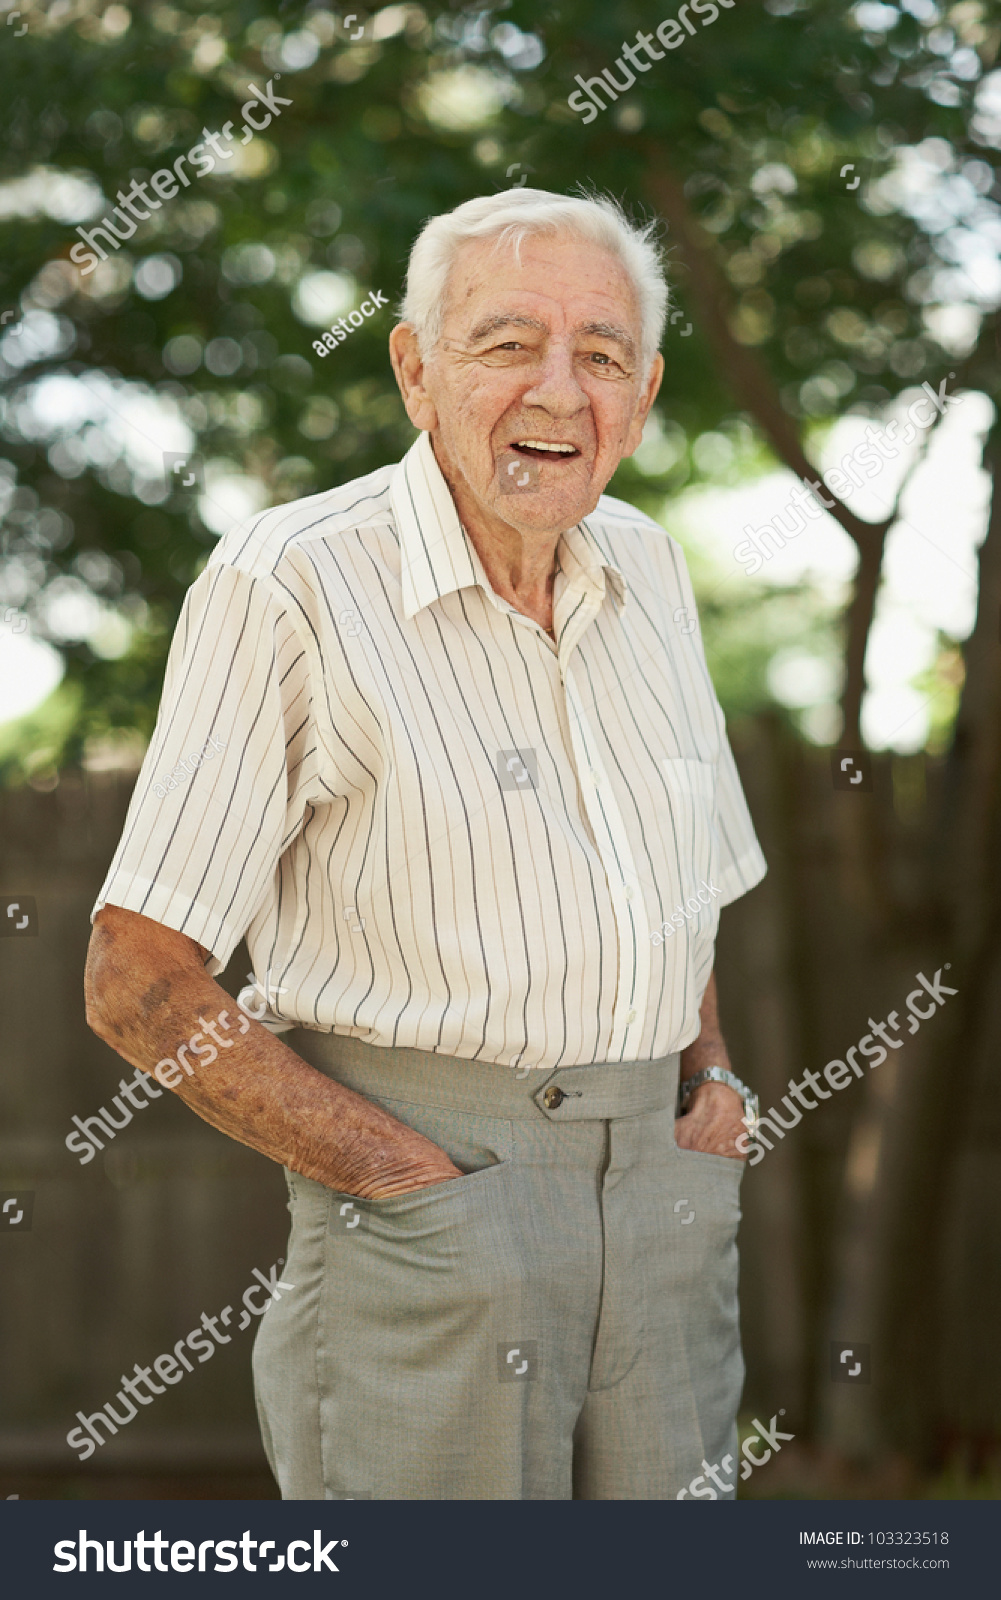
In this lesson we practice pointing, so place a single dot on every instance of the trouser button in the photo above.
(552, 1098)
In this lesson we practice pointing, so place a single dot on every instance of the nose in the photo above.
(555, 388)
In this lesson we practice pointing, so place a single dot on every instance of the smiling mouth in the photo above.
(544, 450)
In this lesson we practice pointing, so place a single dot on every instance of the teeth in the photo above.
(540, 444)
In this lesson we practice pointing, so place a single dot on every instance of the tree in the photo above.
(770, 140)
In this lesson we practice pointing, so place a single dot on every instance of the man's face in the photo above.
(541, 353)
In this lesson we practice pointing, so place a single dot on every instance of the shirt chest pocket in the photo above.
(691, 804)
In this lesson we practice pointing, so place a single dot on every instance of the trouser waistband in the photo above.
(599, 1092)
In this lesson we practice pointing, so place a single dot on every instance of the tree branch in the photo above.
(753, 387)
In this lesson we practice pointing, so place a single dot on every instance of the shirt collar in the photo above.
(436, 556)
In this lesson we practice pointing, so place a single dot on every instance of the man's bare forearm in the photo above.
(147, 993)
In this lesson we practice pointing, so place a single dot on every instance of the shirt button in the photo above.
(552, 1098)
(631, 1014)
(594, 775)
(629, 891)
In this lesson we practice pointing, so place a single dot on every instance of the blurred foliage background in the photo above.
(825, 180)
(797, 299)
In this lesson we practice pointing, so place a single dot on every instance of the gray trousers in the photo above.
(559, 1323)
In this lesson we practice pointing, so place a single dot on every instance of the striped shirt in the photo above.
(436, 827)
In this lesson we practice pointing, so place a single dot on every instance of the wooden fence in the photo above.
(126, 1252)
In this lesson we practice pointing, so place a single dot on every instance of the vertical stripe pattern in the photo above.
(437, 828)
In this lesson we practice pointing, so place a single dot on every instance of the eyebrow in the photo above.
(505, 320)
(598, 330)
(609, 330)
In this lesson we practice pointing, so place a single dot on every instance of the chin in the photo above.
(543, 511)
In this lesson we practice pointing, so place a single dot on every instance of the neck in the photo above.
(520, 564)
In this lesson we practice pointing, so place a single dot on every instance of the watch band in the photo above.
(721, 1075)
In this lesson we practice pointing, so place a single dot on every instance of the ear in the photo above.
(649, 394)
(408, 367)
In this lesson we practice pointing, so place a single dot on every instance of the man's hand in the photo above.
(713, 1122)
(148, 996)
(408, 1180)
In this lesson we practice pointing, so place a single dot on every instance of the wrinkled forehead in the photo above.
(548, 282)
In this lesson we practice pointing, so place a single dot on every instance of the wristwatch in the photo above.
(720, 1075)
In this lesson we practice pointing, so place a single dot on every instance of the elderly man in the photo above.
(472, 805)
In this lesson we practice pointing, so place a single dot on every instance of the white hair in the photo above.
(513, 216)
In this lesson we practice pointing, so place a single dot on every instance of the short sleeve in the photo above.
(739, 858)
(230, 770)
(739, 861)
